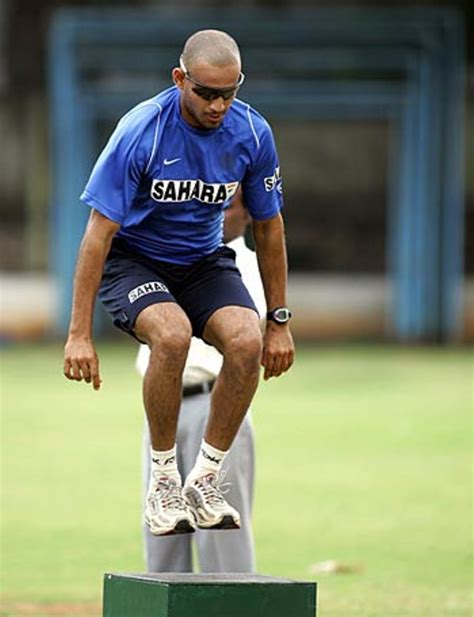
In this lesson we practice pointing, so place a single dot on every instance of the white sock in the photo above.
(209, 460)
(163, 463)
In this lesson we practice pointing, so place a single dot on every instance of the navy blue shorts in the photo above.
(131, 282)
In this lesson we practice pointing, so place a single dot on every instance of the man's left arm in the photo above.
(278, 347)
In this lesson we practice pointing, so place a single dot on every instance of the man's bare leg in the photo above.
(167, 331)
(235, 332)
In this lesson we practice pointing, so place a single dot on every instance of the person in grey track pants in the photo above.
(215, 550)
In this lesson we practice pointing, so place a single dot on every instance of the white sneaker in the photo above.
(211, 511)
(166, 512)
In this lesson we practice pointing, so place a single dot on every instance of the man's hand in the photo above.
(80, 358)
(81, 361)
(278, 350)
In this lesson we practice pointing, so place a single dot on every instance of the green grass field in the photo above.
(364, 457)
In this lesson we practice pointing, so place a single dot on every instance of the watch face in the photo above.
(282, 315)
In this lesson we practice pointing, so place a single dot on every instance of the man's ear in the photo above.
(178, 77)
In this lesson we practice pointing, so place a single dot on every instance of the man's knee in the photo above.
(166, 334)
(172, 340)
(244, 351)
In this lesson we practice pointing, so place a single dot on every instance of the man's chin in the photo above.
(211, 123)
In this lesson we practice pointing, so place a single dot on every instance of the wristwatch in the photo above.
(280, 315)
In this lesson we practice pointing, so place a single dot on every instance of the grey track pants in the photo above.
(220, 550)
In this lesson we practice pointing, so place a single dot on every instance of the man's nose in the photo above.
(218, 105)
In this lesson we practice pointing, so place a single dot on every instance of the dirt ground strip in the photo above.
(63, 609)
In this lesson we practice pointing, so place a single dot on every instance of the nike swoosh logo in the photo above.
(171, 161)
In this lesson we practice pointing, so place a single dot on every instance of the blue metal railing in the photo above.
(403, 65)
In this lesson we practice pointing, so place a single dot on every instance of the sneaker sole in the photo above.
(226, 522)
(181, 527)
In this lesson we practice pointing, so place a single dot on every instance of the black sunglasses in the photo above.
(210, 94)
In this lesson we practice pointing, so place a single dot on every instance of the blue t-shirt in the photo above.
(167, 183)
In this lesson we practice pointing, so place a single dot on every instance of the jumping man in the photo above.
(153, 252)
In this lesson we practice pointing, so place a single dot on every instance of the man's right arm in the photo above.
(80, 358)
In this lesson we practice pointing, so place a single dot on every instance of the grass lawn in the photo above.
(364, 457)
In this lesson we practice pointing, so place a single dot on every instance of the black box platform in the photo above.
(206, 595)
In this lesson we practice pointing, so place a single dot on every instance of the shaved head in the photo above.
(212, 47)
(209, 76)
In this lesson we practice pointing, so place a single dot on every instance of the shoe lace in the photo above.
(169, 494)
(212, 489)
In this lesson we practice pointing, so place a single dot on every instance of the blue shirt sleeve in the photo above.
(117, 173)
(262, 185)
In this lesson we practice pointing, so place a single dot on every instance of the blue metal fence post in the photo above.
(69, 160)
